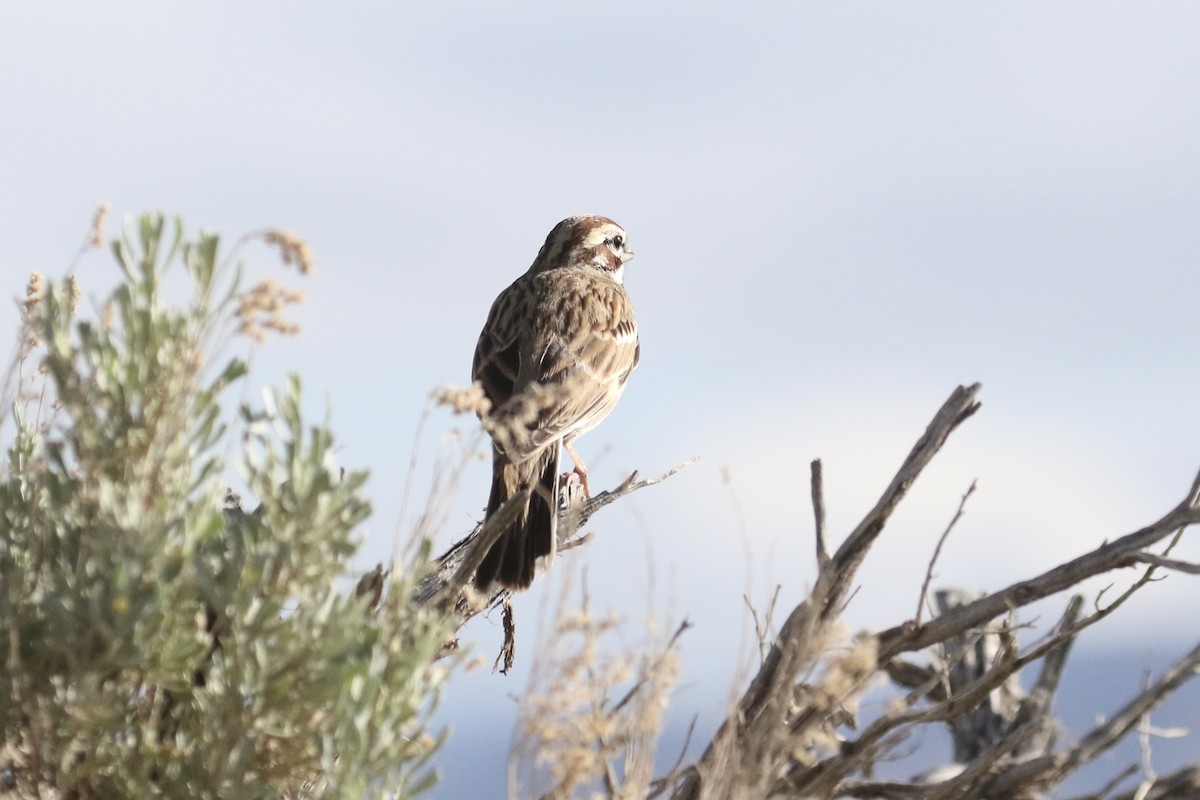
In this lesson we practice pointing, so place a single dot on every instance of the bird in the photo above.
(553, 359)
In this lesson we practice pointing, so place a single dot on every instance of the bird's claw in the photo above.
(581, 477)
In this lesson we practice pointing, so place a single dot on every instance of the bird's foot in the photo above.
(581, 477)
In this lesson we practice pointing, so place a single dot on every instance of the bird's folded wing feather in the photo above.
(551, 358)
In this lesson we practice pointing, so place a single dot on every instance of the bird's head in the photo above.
(585, 239)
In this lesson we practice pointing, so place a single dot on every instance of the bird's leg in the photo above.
(580, 468)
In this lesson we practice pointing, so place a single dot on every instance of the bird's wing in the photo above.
(584, 353)
(554, 356)
(497, 362)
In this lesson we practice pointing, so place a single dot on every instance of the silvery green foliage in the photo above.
(152, 644)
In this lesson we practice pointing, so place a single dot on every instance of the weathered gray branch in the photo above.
(1183, 784)
(844, 565)
(1114, 555)
(1051, 769)
(770, 745)
(751, 730)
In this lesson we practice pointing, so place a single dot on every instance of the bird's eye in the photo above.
(618, 241)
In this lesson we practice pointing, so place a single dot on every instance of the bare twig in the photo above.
(628, 486)
(1115, 781)
(508, 650)
(818, 502)
(762, 627)
(1052, 768)
(1159, 561)
(937, 551)
(957, 409)
(1149, 775)
(1113, 555)
(641, 683)
(661, 785)
(1183, 784)
(1037, 704)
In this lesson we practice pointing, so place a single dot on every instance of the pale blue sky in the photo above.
(841, 211)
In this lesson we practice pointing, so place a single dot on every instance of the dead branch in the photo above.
(1183, 784)
(751, 731)
(781, 739)
(956, 410)
(449, 574)
(1049, 770)
(1113, 555)
(818, 502)
(1159, 561)
(937, 551)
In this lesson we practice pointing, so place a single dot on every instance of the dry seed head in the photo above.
(99, 219)
(863, 657)
(292, 249)
(571, 725)
(259, 310)
(73, 285)
(260, 297)
(462, 401)
(253, 331)
(193, 361)
(33, 291)
(280, 325)
(847, 672)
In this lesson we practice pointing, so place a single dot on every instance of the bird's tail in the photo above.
(534, 534)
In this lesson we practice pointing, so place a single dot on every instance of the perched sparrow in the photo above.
(553, 358)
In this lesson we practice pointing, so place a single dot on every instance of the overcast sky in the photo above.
(841, 211)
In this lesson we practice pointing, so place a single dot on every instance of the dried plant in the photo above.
(593, 721)
(792, 738)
